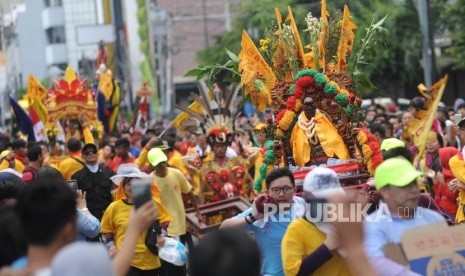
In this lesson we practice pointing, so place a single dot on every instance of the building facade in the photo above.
(45, 40)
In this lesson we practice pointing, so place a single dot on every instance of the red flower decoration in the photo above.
(291, 102)
(280, 116)
(298, 92)
(305, 81)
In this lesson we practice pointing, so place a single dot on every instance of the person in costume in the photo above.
(224, 177)
(314, 135)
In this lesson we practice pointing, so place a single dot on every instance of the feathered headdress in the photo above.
(213, 112)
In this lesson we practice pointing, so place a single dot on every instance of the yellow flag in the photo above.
(105, 84)
(35, 96)
(420, 126)
(252, 65)
(346, 41)
(324, 34)
(115, 101)
(195, 107)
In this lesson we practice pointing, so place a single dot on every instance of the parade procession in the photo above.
(232, 138)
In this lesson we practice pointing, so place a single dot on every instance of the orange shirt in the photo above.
(117, 161)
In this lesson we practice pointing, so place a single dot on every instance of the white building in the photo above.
(46, 39)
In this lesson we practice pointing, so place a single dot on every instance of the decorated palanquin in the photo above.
(222, 182)
(69, 99)
(316, 111)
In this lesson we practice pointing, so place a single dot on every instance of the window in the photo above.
(53, 3)
(56, 35)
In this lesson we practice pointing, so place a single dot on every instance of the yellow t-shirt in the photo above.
(70, 166)
(19, 166)
(115, 220)
(171, 187)
(457, 167)
(301, 239)
(175, 161)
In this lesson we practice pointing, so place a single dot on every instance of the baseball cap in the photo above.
(156, 156)
(395, 172)
(391, 143)
(322, 183)
(89, 146)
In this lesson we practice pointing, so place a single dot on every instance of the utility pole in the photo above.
(205, 24)
(428, 47)
(170, 93)
(227, 16)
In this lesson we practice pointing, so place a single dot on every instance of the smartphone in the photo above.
(457, 118)
(73, 185)
(261, 200)
(141, 192)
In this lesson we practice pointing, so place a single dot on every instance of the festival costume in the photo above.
(319, 129)
(229, 178)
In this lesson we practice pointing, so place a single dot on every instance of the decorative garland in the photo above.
(306, 78)
(372, 156)
(269, 158)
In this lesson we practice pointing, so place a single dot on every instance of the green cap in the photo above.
(156, 156)
(395, 172)
(392, 143)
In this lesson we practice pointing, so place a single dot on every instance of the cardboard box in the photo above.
(433, 250)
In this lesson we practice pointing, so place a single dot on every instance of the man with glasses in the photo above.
(269, 218)
(94, 180)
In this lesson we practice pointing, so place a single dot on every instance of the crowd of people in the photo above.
(49, 227)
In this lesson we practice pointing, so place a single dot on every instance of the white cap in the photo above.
(322, 183)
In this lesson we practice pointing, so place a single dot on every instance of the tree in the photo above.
(393, 71)
(452, 14)
(253, 16)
